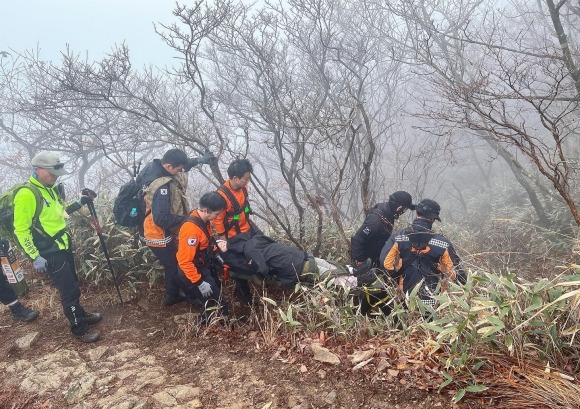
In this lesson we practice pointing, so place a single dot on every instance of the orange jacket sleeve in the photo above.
(446, 265)
(190, 240)
(392, 260)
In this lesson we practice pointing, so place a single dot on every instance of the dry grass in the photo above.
(524, 383)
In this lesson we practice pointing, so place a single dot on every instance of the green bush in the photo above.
(132, 262)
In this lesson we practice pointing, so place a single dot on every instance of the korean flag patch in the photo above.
(163, 192)
(191, 241)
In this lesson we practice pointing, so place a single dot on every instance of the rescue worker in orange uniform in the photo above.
(165, 207)
(196, 249)
(235, 218)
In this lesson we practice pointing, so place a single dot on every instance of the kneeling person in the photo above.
(418, 254)
(194, 253)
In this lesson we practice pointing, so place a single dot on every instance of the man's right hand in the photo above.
(40, 264)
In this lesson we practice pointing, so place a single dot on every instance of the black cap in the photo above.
(402, 198)
(428, 208)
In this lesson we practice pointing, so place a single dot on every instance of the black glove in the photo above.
(207, 159)
(84, 200)
(90, 194)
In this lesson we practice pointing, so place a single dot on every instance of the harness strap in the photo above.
(235, 215)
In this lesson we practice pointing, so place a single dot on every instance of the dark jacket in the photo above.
(373, 234)
(416, 253)
(161, 208)
(260, 255)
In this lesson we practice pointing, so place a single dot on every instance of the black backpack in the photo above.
(126, 205)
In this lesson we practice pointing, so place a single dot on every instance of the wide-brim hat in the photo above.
(428, 208)
(50, 162)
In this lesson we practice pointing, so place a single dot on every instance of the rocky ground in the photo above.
(151, 356)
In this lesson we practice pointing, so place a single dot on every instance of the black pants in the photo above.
(62, 272)
(7, 293)
(192, 291)
(167, 256)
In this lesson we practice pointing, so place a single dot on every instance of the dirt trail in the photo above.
(145, 360)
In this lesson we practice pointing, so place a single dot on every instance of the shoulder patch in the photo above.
(367, 230)
(163, 192)
(439, 243)
(191, 241)
(402, 237)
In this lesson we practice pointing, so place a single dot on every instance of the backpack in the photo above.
(126, 204)
(7, 209)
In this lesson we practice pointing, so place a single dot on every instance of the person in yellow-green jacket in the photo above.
(47, 242)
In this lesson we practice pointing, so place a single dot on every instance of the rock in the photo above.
(330, 398)
(128, 353)
(165, 399)
(79, 389)
(124, 401)
(196, 403)
(184, 391)
(321, 373)
(97, 353)
(103, 382)
(303, 368)
(383, 364)
(27, 341)
(185, 319)
(322, 354)
(149, 376)
(360, 356)
(52, 372)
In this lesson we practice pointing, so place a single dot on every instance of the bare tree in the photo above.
(512, 81)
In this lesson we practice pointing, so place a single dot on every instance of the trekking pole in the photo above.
(91, 195)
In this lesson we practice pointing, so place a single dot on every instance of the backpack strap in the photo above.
(39, 204)
(38, 196)
(235, 215)
(385, 221)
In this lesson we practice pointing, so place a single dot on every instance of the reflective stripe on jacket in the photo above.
(166, 208)
(416, 253)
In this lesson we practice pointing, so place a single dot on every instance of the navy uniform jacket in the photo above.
(373, 234)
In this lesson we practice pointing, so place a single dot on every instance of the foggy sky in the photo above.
(86, 25)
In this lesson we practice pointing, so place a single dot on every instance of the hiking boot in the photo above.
(171, 299)
(367, 278)
(89, 336)
(92, 318)
(21, 313)
(362, 268)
